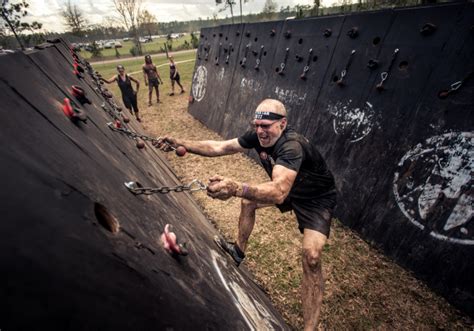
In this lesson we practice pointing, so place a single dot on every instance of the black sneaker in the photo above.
(232, 249)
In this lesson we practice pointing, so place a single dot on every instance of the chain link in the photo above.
(195, 185)
(135, 135)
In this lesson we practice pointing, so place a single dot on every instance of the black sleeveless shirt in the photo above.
(125, 85)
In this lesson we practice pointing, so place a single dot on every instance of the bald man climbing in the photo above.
(300, 181)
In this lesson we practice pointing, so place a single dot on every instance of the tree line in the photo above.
(133, 21)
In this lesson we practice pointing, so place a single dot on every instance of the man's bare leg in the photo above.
(312, 286)
(247, 221)
(157, 94)
(150, 94)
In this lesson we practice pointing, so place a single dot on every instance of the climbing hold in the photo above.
(298, 58)
(287, 34)
(272, 32)
(140, 144)
(181, 151)
(117, 124)
(428, 29)
(74, 114)
(125, 119)
(107, 94)
(237, 33)
(78, 70)
(247, 34)
(170, 242)
(67, 108)
(353, 32)
(327, 32)
(79, 94)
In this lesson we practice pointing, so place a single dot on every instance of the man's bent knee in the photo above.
(312, 258)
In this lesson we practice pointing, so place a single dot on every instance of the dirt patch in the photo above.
(364, 290)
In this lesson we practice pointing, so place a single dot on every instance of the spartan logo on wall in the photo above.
(355, 122)
(199, 83)
(433, 187)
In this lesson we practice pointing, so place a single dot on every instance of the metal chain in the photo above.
(135, 135)
(194, 185)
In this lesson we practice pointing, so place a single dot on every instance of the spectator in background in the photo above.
(174, 76)
(129, 96)
(152, 79)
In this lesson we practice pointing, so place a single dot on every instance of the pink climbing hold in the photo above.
(170, 242)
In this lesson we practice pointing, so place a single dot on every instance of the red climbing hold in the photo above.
(117, 124)
(140, 144)
(77, 91)
(180, 151)
(74, 114)
(67, 108)
(170, 242)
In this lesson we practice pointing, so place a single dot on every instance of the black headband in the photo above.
(266, 115)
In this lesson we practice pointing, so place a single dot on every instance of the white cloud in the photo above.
(48, 12)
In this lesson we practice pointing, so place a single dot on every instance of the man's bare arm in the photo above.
(207, 147)
(272, 192)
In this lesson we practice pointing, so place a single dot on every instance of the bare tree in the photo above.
(227, 4)
(147, 22)
(270, 6)
(11, 15)
(129, 12)
(74, 19)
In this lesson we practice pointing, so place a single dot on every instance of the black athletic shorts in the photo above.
(153, 82)
(313, 214)
(176, 79)
(130, 102)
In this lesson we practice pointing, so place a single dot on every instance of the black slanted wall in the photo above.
(78, 251)
(387, 96)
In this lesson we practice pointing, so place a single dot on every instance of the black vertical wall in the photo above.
(402, 153)
(60, 269)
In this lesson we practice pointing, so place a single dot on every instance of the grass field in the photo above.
(148, 48)
(134, 67)
(364, 290)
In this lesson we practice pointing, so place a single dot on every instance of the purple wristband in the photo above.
(245, 189)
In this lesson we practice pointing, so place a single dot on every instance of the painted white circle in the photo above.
(199, 83)
(433, 186)
(355, 122)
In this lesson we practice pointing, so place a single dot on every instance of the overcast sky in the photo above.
(48, 12)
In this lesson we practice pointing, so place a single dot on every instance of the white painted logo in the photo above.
(250, 84)
(199, 83)
(289, 97)
(433, 187)
(356, 122)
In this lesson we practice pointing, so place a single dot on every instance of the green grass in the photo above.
(107, 70)
(148, 48)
